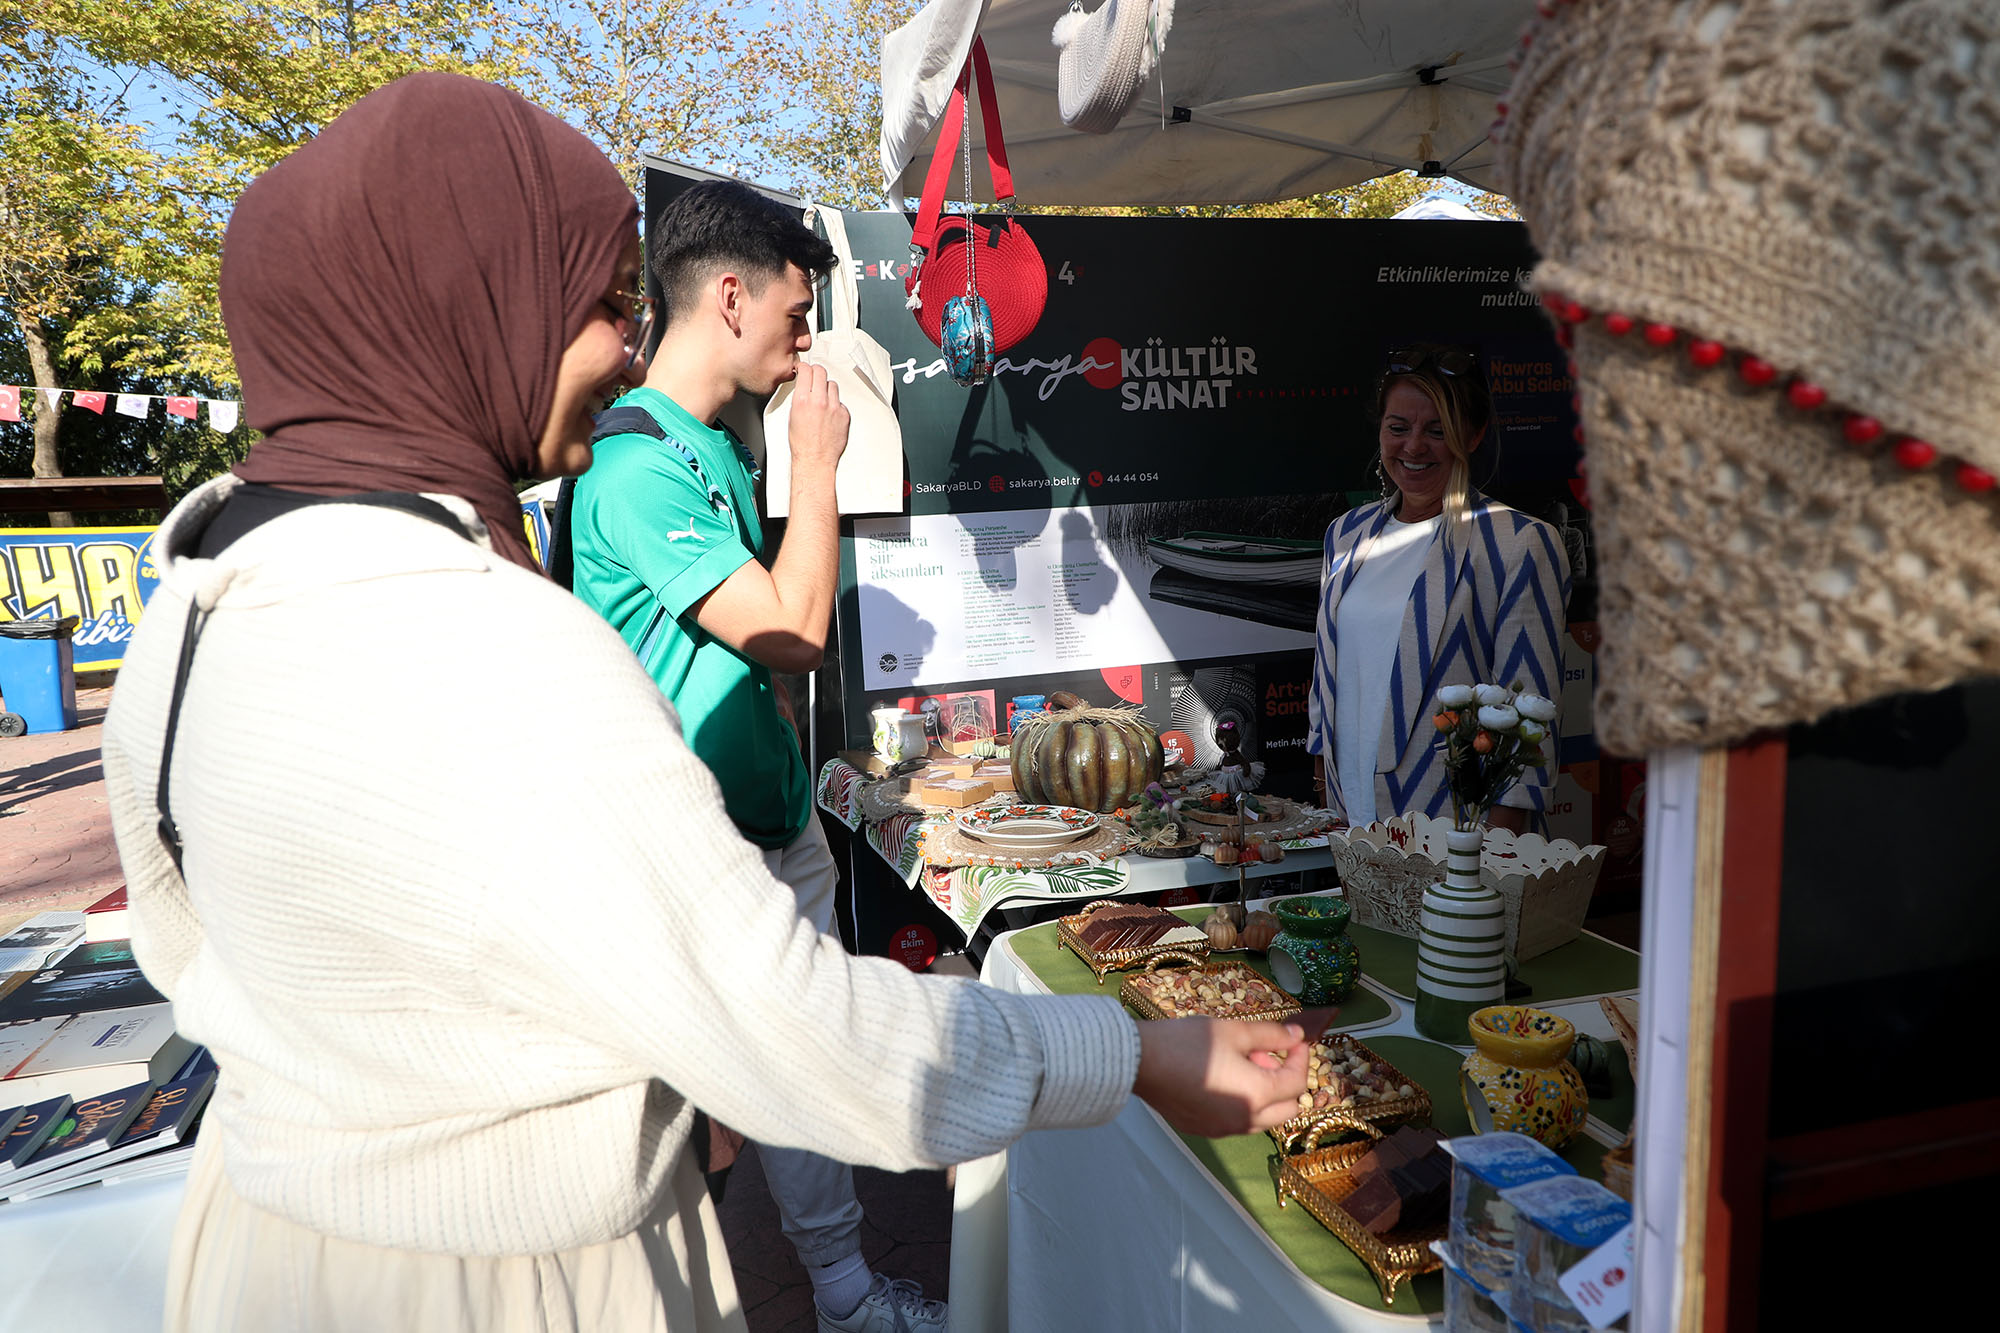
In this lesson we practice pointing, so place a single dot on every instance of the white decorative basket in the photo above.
(1386, 866)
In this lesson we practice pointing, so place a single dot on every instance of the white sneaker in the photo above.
(891, 1306)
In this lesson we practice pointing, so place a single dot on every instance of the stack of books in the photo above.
(96, 1086)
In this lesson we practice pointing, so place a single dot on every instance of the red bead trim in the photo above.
(1859, 429)
(1915, 455)
(1756, 372)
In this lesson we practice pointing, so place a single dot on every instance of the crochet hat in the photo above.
(1770, 233)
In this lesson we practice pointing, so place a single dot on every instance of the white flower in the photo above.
(1493, 696)
(1498, 719)
(1533, 733)
(1455, 696)
(1535, 707)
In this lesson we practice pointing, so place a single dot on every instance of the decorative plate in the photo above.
(1026, 826)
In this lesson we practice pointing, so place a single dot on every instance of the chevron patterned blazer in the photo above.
(1492, 614)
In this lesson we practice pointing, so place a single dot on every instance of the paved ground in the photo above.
(56, 852)
(55, 839)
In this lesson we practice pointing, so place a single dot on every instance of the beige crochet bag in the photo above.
(1106, 56)
(1768, 230)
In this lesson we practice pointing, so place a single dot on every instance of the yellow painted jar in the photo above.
(1518, 1077)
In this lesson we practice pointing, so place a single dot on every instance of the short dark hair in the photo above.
(727, 225)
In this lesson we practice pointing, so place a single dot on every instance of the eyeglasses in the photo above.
(1447, 361)
(635, 315)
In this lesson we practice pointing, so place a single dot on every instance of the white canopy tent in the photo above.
(1263, 99)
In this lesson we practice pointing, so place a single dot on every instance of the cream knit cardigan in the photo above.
(467, 929)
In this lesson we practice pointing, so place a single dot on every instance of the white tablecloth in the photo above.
(89, 1260)
(1121, 1227)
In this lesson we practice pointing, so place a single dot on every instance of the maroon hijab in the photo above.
(399, 292)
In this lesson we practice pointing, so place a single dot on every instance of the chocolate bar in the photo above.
(1403, 1182)
(1127, 926)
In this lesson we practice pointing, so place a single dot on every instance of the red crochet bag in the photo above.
(1006, 268)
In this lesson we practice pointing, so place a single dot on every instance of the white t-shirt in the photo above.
(1368, 627)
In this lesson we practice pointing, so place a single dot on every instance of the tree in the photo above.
(828, 144)
(114, 226)
(74, 183)
(679, 78)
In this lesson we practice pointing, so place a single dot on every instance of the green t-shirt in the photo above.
(651, 538)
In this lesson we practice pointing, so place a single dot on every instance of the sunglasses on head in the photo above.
(1449, 361)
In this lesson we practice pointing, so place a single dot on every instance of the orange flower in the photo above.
(1446, 720)
(1483, 742)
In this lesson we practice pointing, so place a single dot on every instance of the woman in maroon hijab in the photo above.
(464, 976)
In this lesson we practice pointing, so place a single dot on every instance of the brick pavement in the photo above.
(56, 852)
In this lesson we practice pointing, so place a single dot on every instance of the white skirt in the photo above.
(237, 1268)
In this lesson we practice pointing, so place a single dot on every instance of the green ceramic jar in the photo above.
(1311, 955)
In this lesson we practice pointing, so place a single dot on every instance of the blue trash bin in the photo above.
(38, 672)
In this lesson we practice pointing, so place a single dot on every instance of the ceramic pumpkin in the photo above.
(1096, 759)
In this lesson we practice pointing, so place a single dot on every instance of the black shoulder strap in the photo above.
(613, 421)
(169, 831)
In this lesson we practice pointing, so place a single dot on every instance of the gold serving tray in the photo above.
(1320, 1179)
(1305, 1130)
(1069, 936)
(1134, 994)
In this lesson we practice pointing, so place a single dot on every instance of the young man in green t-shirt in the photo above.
(665, 538)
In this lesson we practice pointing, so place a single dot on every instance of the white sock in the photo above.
(840, 1286)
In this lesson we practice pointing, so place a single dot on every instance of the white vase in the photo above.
(1461, 944)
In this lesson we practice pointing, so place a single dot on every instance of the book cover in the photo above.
(9, 1118)
(88, 979)
(168, 1117)
(200, 1061)
(108, 918)
(18, 1044)
(39, 939)
(91, 1054)
(32, 1131)
(91, 1126)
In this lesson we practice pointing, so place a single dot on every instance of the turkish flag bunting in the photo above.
(93, 401)
(10, 403)
(181, 407)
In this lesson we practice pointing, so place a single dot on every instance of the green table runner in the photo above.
(1241, 1164)
(1587, 965)
(1064, 973)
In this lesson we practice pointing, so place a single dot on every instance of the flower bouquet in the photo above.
(1491, 734)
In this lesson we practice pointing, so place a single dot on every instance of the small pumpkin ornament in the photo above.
(1259, 931)
(1221, 931)
(1097, 759)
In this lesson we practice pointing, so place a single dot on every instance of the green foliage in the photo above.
(129, 127)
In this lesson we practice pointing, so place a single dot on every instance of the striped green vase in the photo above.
(1461, 944)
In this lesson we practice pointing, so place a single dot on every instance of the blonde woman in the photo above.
(1435, 584)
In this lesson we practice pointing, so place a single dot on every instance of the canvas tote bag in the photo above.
(870, 478)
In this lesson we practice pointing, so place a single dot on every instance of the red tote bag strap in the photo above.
(989, 110)
(932, 205)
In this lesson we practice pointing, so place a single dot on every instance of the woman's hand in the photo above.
(1217, 1077)
(1510, 817)
(1319, 775)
